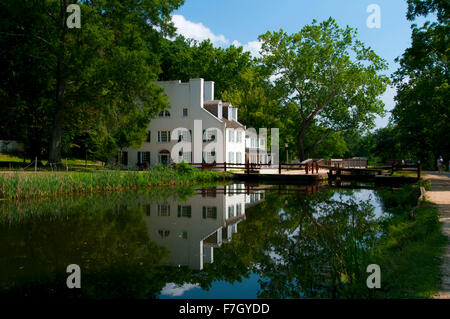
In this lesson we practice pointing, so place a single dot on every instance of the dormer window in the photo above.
(164, 113)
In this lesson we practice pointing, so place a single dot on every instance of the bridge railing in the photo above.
(310, 168)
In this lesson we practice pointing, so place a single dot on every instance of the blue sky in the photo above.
(240, 22)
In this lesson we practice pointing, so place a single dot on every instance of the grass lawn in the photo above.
(405, 173)
(72, 163)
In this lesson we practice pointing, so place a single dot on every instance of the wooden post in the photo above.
(307, 168)
(247, 167)
(224, 166)
(279, 167)
(35, 164)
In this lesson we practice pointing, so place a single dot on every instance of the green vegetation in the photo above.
(99, 232)
(21, 185)
(314, 246)
(410, 251)
(419, 124)
(325, 72)
(320, 246)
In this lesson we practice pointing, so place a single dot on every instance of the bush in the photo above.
(185, 168)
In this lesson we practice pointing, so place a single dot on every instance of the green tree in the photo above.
(184, 59)
(330, 76)
(422, 109)
(111, 60)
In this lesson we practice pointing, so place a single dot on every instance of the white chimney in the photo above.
(196, 92)
(208, 91)
(219, 110)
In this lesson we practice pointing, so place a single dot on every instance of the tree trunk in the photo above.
(55, 143)
(301, 135)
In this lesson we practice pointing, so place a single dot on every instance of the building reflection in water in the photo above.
(191, 229)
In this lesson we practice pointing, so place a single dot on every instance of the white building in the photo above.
(255, 147)
(195, 117)
(191, 229)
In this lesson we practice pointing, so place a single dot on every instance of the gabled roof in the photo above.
(211, 106)
(233, 124)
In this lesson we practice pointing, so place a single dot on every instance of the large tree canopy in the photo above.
(330, 76)
(422, 109)
(184, 59)
(59, 80)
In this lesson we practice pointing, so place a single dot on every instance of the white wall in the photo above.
(189, 95)
(192, 251)
(235, 147)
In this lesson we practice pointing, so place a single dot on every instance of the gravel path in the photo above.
(440, 194)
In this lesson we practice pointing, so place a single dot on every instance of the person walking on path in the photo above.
(440, 161)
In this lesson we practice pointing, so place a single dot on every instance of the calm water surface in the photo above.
(228, 241)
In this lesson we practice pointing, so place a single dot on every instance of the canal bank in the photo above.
(440, 195)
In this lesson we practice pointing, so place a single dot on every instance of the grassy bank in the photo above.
(410, 250)
(19, 185)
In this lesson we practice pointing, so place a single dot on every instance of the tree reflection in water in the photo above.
(301, 245)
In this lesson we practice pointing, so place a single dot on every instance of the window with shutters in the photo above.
(164, 113)
(184, 135)
(146, 157)
(238, 137)
(238, 209)
(184, 211)
(230, 211)
(209, 212)
(164, 233)
(231, 136)
(163, 136)
(163, 210)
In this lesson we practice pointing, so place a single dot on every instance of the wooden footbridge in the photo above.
(316, 170)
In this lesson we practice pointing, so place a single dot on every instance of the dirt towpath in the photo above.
(440, 195)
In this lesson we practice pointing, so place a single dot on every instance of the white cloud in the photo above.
(197, 31)
(253, 47)
(172, 289)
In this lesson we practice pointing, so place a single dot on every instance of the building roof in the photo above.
(249, 133)
(211, 102)
(211, 106)
(233, 124)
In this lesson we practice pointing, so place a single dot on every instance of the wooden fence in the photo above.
(311, 167)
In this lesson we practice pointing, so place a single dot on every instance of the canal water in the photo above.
(221, 241)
